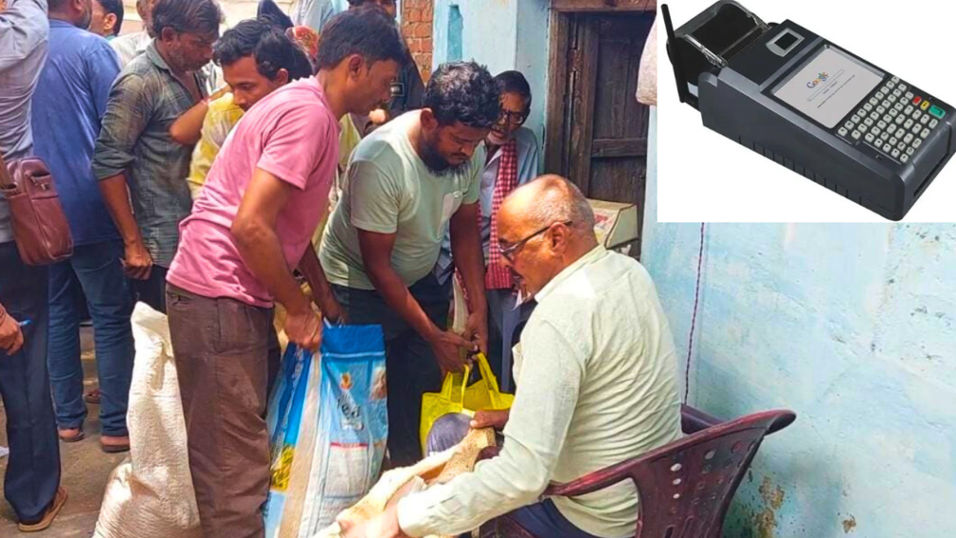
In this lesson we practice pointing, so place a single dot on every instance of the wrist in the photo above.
(431, 333)
(300, 306)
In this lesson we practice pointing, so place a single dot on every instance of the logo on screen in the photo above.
(821, 77)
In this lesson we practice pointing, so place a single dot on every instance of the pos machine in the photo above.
(812, 106)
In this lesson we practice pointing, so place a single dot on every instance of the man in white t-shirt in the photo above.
(406, 183)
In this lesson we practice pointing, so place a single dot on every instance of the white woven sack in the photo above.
(150, 494)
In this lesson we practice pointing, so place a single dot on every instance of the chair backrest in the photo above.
(686, 486)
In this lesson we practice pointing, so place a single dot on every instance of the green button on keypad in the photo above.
(936, 111)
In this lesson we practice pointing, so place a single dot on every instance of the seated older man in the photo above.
(599, 361)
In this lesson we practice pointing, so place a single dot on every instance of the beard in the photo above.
(437, 164)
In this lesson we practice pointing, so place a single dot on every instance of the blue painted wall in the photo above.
(490, 36)
(851, 326)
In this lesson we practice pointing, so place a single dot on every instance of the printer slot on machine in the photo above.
(812, 106)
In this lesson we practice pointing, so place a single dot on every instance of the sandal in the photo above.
(71, 435)
(93, 397)
(122, 444)
(47, 518)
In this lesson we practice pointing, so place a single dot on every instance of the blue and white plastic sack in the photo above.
(328, 425)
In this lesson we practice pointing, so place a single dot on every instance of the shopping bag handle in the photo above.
(484, 369)
(453, 387)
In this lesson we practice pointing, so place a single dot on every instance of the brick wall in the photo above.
(417, 18)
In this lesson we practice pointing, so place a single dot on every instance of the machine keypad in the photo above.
(894, 120)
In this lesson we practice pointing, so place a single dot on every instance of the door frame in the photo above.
(558, 133)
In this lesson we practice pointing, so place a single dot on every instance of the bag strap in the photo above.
(5, 181)
(453, 387)
(491, 381)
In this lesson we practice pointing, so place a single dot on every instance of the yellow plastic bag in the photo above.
(455, 397)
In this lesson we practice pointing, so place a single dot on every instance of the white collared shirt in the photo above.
(597, 384)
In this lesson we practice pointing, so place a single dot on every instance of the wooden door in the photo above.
(597, 129)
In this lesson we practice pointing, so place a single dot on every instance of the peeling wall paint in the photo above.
(852, 327)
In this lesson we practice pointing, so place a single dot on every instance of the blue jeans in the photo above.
(542, 519)
(95, 269)
(33, 470)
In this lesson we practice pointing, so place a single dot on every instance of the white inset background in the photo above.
(705, 177)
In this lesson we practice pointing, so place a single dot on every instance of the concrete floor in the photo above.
(84, 467)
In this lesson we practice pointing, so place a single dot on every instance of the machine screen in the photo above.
(828, 86)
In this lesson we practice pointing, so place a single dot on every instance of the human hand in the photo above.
(476, 330)
(331, 309)
(446, 345)
(137, 262)
(304, 329)
(381, 526)
(492, 419)
(11, 337)
(219, 93)
(378, 116)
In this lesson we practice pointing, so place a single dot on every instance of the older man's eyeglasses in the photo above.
(512, 117)
(508, 251)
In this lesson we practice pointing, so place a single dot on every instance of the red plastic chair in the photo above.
(686, 486)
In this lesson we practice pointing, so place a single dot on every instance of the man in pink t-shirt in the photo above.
(250, 227)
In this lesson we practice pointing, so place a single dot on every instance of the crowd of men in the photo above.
(207, 175)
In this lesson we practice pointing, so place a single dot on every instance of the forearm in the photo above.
(187, 129)
(398, 298)
(261, 251)
(116, 196)
(513, 479)
(310, 267)
(468, 259)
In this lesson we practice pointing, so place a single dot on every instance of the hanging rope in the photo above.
(693, 317)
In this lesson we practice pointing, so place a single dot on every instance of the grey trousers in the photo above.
(504, 329)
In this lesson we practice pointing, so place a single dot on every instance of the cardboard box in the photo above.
(615, 224)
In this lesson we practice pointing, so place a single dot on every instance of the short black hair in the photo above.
(190, 16)
(270, 12)
(116, 8)
(465, 92)
(367, 31)
(272, 49)
(514, 82)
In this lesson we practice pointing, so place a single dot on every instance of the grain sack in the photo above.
(150, 494)
(328, 426)
(647, 79)
(435, 469)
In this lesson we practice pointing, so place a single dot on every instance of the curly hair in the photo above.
(186, 16)
(463, 92)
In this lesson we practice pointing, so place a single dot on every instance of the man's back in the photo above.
(23, 36)
(68, 104)
(616, 340)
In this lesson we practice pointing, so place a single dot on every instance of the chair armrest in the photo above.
(694, 420)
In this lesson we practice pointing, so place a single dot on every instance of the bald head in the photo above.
(548, 199)
(543, 227)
